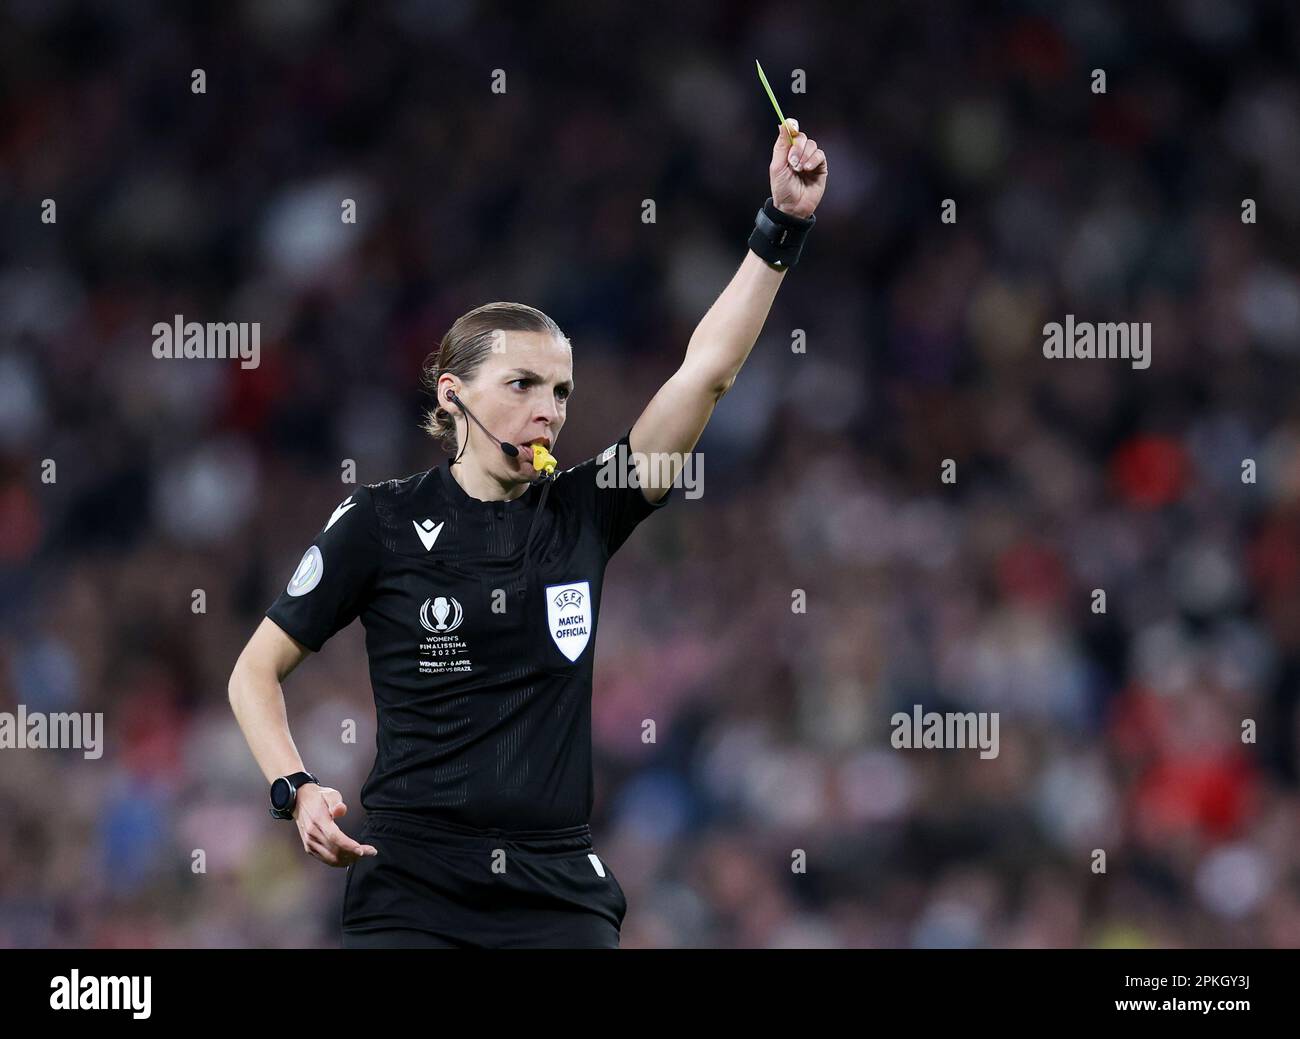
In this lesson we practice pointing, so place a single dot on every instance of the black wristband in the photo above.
(778, 237)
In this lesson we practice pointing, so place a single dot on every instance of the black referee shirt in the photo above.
(481, 665)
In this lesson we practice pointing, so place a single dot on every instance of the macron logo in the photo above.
(338, 513)
(428, 532)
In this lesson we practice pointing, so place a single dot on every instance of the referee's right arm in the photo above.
(324, 595)
(257, 699)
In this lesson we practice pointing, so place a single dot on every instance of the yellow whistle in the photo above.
(543, 461)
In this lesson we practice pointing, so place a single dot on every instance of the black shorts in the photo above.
(437, 886)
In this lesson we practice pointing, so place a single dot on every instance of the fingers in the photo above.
(783, 138)
(344, 849)
(335, 848)
(803, 154)
(321, 837)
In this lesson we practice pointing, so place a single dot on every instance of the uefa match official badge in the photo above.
(568, 616)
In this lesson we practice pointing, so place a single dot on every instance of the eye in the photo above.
(562, 392)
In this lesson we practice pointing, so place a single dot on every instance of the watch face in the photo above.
(281, 794)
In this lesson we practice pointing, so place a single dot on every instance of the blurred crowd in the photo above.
(772, 810)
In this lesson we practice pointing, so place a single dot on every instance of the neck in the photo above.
(482, 485)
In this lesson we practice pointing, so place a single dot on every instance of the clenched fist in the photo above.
(798, 172)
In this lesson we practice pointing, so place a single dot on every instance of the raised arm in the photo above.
(673, 421)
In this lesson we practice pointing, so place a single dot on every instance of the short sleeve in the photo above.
(609, 488)
(335, 575)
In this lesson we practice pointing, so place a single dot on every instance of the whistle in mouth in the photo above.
(543, 460)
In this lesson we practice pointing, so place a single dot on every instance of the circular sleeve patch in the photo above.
(308, 574)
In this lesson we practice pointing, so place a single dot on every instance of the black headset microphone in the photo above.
(512, 452)
(509, 449)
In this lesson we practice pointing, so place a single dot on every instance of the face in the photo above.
(520, 394)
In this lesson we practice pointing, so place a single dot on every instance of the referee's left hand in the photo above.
(316, 809)
(797, 172)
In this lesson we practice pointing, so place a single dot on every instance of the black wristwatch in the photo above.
(284, 793)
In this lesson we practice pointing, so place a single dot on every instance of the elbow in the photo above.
(239, 680)
(234, 684)
(698, 378)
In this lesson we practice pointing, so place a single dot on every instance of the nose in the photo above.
(548, 411)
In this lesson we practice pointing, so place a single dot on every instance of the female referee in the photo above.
(478, 583)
